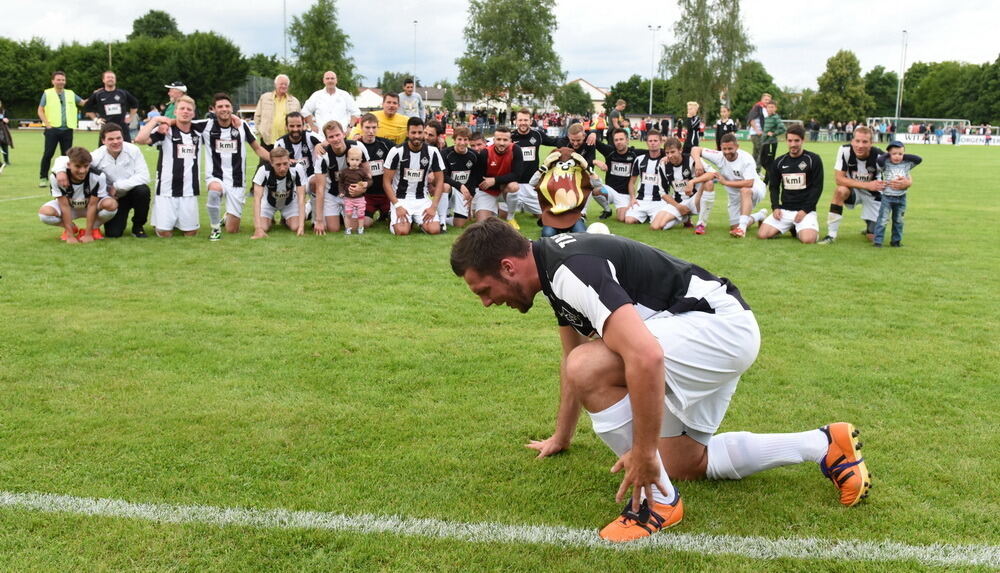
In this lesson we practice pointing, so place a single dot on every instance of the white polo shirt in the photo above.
(324, 106)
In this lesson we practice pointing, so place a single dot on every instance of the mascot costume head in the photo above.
(564, 188)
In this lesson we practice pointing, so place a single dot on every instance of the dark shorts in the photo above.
(379, 203)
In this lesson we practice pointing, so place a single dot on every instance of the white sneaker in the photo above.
(361, 230)
(347, 231)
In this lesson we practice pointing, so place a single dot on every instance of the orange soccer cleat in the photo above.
(651, 518)
(843, 464)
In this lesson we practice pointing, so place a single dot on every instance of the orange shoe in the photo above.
(96, 234)
(651, 518)
(80, 233)
(843, 464)
(76, 233)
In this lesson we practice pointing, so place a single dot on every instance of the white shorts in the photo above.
(78, 213)
(332, 206)
(704, 356)
(788, 220)
(688, 202)
(458, 205)
(528, 199)
(175, 212)
(759, 190)
(291, 209)
(414, 212)
(621, 200)
(235, 197)
(645, 209)
(483, 201)
(869, 206)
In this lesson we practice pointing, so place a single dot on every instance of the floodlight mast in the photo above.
(652, 65)
(899, 87)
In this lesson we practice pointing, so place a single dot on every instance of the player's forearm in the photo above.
(646, 384)
(390, 193)
(91, 214)
(67, 213)
(568, 413)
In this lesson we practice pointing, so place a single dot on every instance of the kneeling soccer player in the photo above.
(653, 348)
(279, 187)
(86, 197)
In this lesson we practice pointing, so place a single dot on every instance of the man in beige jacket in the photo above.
(272, 107)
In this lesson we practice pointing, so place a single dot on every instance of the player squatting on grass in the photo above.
(653, 349)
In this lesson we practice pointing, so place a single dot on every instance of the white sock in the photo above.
(705, 209)
(513, 202)
(614, 427)
(104, 216)
(745, 221)
(54, 220)
(669, 224)
(760, 215)
(833, 223)
(212, 205)
(736, 455)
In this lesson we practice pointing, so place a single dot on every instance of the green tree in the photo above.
(448, 100)
(711, 45)
(841, 94)
(795, 105)
(989, 94)
(392, 82)
(752, 80)
(911, 81)
(949, 90)
(882, 86)
(505, 66)
(635, 92)
(25, 71)
(571, 98)
(265, 66)
(155, 24)
(145, 64)
(318, 45)
(216, 63)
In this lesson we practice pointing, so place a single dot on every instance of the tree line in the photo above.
(709, 60)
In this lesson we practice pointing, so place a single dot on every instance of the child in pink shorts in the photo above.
(354, 207)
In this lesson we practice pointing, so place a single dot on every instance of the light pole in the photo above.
(652, 65)
(899, 88)
(284, 28)
(415, 52)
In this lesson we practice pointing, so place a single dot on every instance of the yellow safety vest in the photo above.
(53, 109)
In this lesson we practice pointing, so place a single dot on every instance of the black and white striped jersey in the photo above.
(587, 277)
(78, 194)
(303, 151)
(647, 170)
(279, 191)
(675, 177)
(377, 150)
(177, 168)
(330, 164)
(225, 153)
(412, 169)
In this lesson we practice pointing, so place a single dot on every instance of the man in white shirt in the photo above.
(328, 104)
(127, 176)
(737, 171)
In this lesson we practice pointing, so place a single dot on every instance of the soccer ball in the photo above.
(599, 228)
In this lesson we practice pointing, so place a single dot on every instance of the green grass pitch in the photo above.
(358, 375)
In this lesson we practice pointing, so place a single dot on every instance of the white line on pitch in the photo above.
(751, 547)
(28, 197)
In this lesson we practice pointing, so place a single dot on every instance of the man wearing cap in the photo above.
(175, 91)
(329, 104)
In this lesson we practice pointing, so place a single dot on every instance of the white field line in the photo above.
(751, 547)
(27, 197)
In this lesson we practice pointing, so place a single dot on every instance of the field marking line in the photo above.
(19, 198)
(938, 554)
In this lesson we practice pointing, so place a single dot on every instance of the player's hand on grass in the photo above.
(319, 228)
(86, 238)
(301, 230)
(642, 474)
(548, 447)
(258, 234)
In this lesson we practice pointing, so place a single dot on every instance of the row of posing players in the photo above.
(476, 178)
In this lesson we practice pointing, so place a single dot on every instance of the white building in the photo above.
(597, 95)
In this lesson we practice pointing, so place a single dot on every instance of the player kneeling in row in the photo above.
(413, 182)
(691, 195)
(737, 171)
(86, 197)
(796, 181)
(279, 187)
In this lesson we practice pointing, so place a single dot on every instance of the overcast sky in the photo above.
(793, 38)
